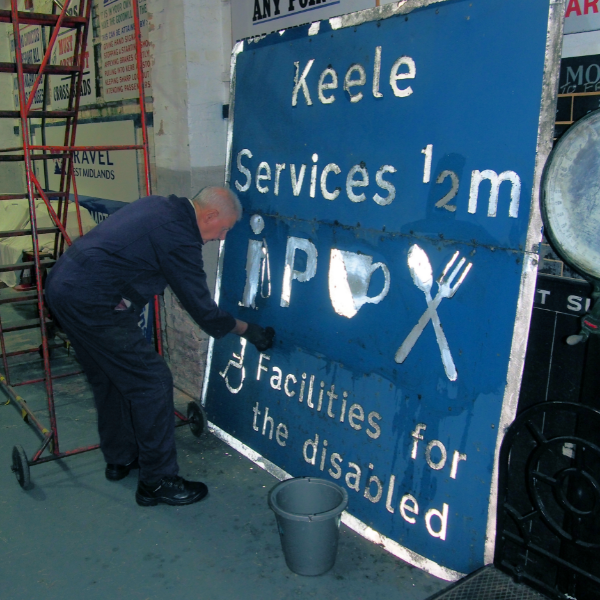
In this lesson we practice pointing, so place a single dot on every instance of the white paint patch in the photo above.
(257, 223)
(289, 273)
(335, 23)
(349, 277)
(339, 291)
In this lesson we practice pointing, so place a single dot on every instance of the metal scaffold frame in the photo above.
(33, 152)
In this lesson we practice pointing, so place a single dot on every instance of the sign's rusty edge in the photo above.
(531, 256)
(239, 47)
(380, 12)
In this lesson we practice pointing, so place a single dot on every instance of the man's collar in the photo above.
(195, 220)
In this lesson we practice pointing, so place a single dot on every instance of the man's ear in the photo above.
(210, 215)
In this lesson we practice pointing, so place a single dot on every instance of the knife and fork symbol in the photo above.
(422, 275)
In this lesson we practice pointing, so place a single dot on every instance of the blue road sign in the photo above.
(388, 164)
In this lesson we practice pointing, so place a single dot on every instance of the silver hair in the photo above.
(221, 198)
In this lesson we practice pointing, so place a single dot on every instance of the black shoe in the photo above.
(171, 489)
(117, 472)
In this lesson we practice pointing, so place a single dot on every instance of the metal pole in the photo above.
(79, 52)
(4, 354)
(51, 211)
(34, 235)
(45, 60)
(76, 197)
(140, 71)
(26, 412)
(44, 108)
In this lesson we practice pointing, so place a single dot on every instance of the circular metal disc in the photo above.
(20, 466)
(197, 418)
(571, 196)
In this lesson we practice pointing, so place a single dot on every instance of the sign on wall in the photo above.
(580, 75)
(62, 54)
(582, 15)
(554, 370)
(250, 18)
(119, 74)
(388, 163)
(111, 174)
(32, 48)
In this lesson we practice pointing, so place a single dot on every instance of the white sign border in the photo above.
(520, 337)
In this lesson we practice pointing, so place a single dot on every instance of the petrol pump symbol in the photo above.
(258, 270)
(237, 364)
(420, 270)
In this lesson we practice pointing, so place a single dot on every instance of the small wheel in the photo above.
(197, 418)
(20, 466)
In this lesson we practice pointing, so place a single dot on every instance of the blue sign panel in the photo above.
(387, 169)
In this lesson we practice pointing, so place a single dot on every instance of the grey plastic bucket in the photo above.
(308, 512)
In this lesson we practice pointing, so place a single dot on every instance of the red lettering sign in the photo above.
(573, 6)
(589, 7)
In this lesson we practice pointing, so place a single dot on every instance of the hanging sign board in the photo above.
(62, 54)
(107, 174)
(119, 74)
(388, 163)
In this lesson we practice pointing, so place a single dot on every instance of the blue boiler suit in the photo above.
(133, 255)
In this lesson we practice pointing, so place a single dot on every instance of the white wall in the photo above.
(207, 92)
(169, 89)
(192, 43)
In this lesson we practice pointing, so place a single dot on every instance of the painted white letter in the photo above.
(289, 273)
(395, 76)
(515, 193)
(242, 169)
(301, 83)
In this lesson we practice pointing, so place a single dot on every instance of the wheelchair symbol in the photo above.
(239, 364)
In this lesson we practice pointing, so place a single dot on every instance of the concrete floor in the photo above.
(75, 535)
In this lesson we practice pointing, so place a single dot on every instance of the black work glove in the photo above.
(261, 338)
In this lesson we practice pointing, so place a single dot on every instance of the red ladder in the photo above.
(28, 153)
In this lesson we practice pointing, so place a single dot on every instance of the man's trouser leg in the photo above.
(115, 427)
(113, 351)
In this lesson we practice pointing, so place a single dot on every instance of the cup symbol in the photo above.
(349, 278)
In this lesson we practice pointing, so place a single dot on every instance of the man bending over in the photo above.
(97, 290)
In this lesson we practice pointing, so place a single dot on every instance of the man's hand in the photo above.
(261, 338)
